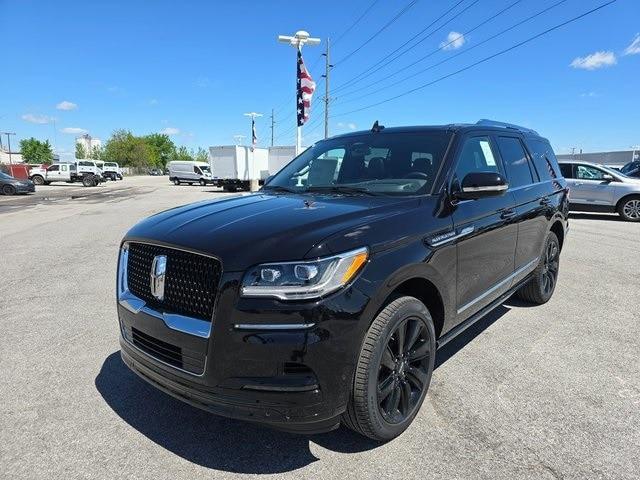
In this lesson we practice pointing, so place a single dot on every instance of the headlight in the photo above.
(305, 279)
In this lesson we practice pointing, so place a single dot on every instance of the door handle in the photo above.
(545, 201)
(508, 213)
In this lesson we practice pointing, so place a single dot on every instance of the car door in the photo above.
(64, 173)
(590, 186)
(532, 199)
(53, 173)
(486, 229)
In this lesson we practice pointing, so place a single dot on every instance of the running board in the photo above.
(458, 329)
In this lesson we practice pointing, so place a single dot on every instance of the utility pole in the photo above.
(327, 99)
(297, 41)
(8, 144)
(273, 125)
(573, 153)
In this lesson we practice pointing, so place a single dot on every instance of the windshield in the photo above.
(110, 164)
(205, 168)
(374, 163)
(612, 171)
(4, 176)
(631, 168)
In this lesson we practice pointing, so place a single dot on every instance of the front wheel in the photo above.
(393, 371)
(202, 183)
(176, 181)
(630, 209)
(540, 288)
(8, 190)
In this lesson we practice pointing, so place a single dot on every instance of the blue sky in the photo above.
(192, 69)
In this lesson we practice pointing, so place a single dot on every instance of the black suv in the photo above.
(322, 298)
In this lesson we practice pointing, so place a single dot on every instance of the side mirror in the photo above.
(608, 178)
(268, 179)
(482, 184)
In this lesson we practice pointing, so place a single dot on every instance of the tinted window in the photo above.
(586, 172)
(54, 168)
(566, 170)
(515, 161)
(476, 156)
(386, 163)
(543, 159)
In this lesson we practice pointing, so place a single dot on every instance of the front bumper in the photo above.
(25, 188)
(296, 380)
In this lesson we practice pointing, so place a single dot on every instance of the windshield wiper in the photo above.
(342, 189)
(278, 188)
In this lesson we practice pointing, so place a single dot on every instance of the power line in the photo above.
(419, 72)
(440, 48)
(356, 78)
(404, 10)
(364, 14)
(486, 59)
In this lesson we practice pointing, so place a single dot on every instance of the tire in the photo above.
(88, 181)
(176, 181)
(38, 180)
(202, 183)
(8, 190)
(383, 409)
(629, 209)
(543, 282)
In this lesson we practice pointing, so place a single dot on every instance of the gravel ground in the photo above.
(528, 392)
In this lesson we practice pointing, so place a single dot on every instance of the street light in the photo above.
(297, 41)
(634, 148)
(254, 136)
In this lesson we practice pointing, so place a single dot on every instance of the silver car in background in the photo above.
(596, 188)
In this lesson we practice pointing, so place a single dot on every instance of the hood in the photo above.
(257, 228)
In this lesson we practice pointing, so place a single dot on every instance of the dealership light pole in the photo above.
(8, 144)
(254, 135)
(635, 148)
(297, 41)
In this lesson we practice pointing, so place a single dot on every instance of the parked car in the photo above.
(632, 169)
(156, 172)
(596, 188)
(11, 186)
(112, 171)
(322, 298)
(85, 171)
(189, 172)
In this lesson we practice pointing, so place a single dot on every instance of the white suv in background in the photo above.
(596, 188)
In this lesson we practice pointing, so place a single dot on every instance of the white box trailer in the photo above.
(233, 166)
(279, 157)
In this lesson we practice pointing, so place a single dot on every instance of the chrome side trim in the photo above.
(486, 188)
(273, 326)
(441, 241)
(501, 283)
(180, 323)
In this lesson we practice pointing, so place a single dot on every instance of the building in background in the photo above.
(614, 159)
(88, 142)
(16, 157)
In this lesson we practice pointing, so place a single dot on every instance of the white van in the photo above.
(189, 172)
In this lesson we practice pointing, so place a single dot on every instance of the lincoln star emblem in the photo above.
(158, 271)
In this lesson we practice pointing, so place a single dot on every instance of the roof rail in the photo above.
(493, 123)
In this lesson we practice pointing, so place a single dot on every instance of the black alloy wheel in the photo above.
(8, 190)
(539, 289)
(551, 266)
(404, 370)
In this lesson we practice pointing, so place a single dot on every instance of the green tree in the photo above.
(36, 151)
(96, 152)
(128, 150)
(183, 154)
(81, 152)
(162, 148)
(201, 155)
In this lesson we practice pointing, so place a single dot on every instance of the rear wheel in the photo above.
(88, 181)
(540, 288)
(8, 190)
(176, 181)
(37, 179)
(393, 371)
(629, 209)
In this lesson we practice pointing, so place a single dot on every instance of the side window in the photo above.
(543, 159)
(566, 170)
(63, 168)
(476, 156)
(196, 170)
(585, 172)
(515, 162)
(53, 168)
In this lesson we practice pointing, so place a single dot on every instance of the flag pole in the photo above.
(297, 41)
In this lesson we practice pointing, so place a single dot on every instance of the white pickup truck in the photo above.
(111, 171)
(85, 171)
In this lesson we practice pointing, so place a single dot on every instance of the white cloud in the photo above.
(589, 94)
(454, 41)
(349, 125)
(65, 105)
(170, 131)
(73, 130)
(634, 47)
(595, 60)
(153, 101)
(36, 118)
(203, 82)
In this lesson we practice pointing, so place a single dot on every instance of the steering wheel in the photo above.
(420, 175)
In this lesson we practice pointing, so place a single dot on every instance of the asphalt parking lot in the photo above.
(543, 392)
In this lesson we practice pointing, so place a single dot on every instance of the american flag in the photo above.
(254, 136)
(306, 87)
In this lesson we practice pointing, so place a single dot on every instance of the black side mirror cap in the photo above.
(482, 184)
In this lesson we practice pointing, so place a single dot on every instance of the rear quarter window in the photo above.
(544, 159)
